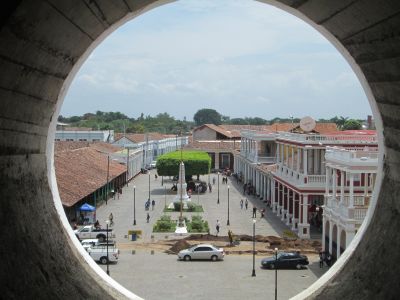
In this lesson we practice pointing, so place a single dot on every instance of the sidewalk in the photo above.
(241, 221)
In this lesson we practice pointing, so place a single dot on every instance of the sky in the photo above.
(240, 57)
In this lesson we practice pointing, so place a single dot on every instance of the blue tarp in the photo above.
(87, 207)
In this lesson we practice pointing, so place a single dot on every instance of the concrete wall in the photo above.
(43, 44)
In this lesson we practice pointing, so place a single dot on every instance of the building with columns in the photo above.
(350, 179)
(295, 186)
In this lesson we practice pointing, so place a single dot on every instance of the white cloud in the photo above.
(242, 57)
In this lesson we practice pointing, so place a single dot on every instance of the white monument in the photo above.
(182, 194)
(183, 198)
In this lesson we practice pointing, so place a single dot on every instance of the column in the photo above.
(330, 236)
(292, 164)
(278, 207)
(216, 165)
(351, 191)
(278, 154)
(283, 216)
(334, 183)
(272, 194)
(304, 227)
(294, 217)
(305, 162)
(328, 178)
(288, 214)
(287, 156)
(341, 186)
(298, 161)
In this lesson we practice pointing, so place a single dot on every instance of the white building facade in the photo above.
(350, 179)
(295, 187)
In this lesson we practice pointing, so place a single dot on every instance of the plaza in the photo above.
(152, 274)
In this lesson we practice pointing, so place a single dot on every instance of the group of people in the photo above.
(325, 257)
(225, 180)
(147, 204)
(246, 203)
(249, 189)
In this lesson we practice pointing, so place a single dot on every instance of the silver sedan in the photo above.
(202, 251)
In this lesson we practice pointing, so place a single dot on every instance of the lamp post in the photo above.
(253, 274)
(218, 188)
(134, 205)
(198, 193)
(107, 223)
(276, 274)
(149, 185)
(165, 197)
(227, 222)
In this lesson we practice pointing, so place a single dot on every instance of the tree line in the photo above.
(167, 124)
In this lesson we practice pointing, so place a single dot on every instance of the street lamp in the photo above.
(253, 274)
(276, 274)
(198, 193)
(149, 185)
(227, 222)
(107, 223)
(134, 205)
(218, 188)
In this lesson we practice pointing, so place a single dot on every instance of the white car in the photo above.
(153, 164)
(99, 253)
(202, 251)
(89, 243)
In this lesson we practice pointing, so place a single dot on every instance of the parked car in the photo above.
(285, 260)
(153, 164)
(202, 251)
(99, 253)
(93, 243)
(91, 232)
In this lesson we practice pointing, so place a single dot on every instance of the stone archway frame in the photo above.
(43, 44)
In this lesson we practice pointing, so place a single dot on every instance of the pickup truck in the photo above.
(90, 232)
(99, 253)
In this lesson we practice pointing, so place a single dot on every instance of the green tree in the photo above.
(207, 116)
(196, 163)
(352, 125)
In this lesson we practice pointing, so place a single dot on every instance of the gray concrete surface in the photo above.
(162, 276)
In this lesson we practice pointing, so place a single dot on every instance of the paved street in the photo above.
(161, 276)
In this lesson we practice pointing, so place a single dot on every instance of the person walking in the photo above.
(321, 259)
(148, 217)
(254, 212)
(210, 187)
(241, 203)
(246, 203)
(214, 180)
(217, 226)
(153, 203)
(111, 218)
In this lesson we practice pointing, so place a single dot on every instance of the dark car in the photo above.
(285, 260)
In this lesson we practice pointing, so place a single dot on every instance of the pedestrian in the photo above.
(230, 235)
(254, 212)
(213, 180)
(155, 176)
(246, 203)
(321, 259)
(244, 188)
(153, 203)
(148, 217)
(111, 218)
(262, 213)
(217, 227)
(209, 187)
(241, 203)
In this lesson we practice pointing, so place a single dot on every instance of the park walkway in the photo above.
(241, 221)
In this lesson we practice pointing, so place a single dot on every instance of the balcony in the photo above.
(343, 211)
(299, 179)
(351, 157)
(328, 139)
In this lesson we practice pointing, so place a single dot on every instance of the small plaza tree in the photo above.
(196, 163)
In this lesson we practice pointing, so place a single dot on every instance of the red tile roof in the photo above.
(214, 145)
(322, 128)
(141, 137)
(82, 171)
(71, 145)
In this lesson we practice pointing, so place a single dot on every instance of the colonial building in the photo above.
(350, 179)
(295, 187)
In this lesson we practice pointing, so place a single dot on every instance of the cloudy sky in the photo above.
(239, 57)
